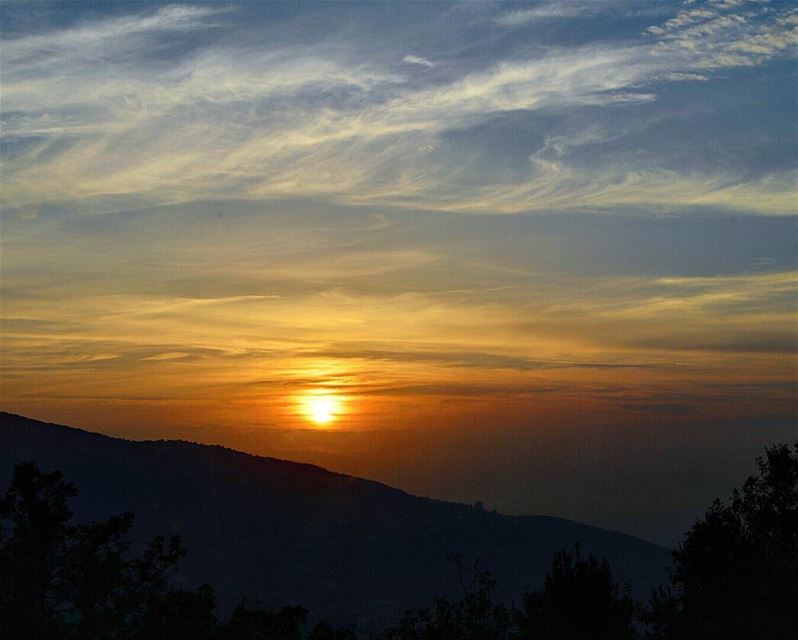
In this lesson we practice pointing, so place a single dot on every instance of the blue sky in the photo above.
(476, 107)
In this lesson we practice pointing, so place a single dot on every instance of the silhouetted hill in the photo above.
(347, 548)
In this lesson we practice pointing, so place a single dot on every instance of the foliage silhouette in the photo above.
(61, 580)
(180, 614)
(735, 576)
(323, 631)
(736, 573)
(579, 601)
(474, 617)
(262, 623)
(33, 527)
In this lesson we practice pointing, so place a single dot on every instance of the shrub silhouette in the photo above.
(180, 614)
(474, 617)
(262, 623)
(323, 631)
(579, 601)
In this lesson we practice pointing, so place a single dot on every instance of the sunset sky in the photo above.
(542, 255)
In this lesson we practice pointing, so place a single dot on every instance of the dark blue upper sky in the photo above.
(479, 107)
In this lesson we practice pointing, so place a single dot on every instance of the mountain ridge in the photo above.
(348, 548)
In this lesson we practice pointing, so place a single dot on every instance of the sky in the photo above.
(541, 255)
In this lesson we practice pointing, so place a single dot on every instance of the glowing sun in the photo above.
(322, 409)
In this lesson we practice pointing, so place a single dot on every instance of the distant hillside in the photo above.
(347, 548)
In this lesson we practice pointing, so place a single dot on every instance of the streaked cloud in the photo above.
(256, 304)
(85, 40)
(724, 35)
(411, 59)
(543, 11)
(321, 120)
(232, 202)
(210, 211)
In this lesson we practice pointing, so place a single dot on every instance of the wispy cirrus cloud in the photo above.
(217, 119)
(552, 11)
(29, 55)
(211, 210)
(727, 35)
(523, 17)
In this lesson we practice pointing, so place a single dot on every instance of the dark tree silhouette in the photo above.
(33, 526)
(474, 617)
(579, 601)
(65, 581)
(78, 581)
(323, 631)
(180, 614)
(736, 573)
(261, 623)
(735, 576)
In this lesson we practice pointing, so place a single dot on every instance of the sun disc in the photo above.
(322, 409)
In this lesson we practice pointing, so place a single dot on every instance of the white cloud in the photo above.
(711, 37)
(259, 122)
(82, 39)
(679, 77)
(410, 59)
(545, 11)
